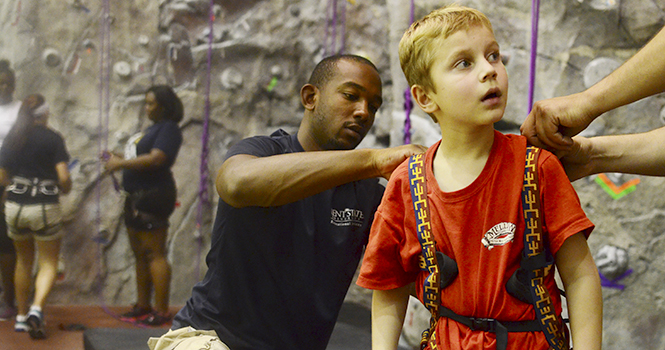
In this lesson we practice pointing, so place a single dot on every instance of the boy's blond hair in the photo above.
(417, 48)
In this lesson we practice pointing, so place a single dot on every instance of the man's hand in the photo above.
(386, 160)
(553, 122)
(577, 161)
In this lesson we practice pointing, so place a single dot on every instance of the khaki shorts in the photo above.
(187, 338)
(42, 222)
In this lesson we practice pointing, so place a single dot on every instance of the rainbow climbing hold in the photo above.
(272, 84)
(613, 190)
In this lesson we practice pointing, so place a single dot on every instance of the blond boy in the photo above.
(474, 177)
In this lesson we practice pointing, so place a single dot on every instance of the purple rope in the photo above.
(334, 27)
(342, 36)
(408, 103)
(408, 106)
(203, 169)
(104, 83)
(613, 283)
(102, 142)
(325, 40)
(535, 10)
(330, 40)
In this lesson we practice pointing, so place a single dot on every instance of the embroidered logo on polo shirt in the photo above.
(499, 235)
(346, 217)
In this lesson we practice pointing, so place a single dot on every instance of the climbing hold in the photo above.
(144, 40)
(614, 187)
(231, 78)
(276, 71)
(612, 261)
(272, 84)
(216, 10)
(294, 10)
(73, 64)
(602, 5)
(122, 69)
(88, 44)
(51, 57)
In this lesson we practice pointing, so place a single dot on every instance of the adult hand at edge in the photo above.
(386, 160)
(552, 122)
(577, 161)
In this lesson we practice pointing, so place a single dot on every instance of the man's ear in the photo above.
(422, 98)
(309, 96)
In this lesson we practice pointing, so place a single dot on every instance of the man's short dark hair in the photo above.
(326, 69)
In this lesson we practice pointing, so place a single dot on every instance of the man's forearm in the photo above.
(639, 77)
(634, 153)
(245, 180)
(276, 180)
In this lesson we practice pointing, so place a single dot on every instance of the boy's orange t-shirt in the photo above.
(459, 222)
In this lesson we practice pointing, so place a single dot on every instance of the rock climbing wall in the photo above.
(261, 53)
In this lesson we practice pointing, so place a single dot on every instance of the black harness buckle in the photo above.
(483, 324)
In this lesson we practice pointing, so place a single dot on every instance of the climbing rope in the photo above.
(203, 170)
(342, 38)
(330, 41)
(104, 98)
(102, 141)
(535, 12)
(408, 102)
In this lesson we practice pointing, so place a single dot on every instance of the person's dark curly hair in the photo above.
(170, 102)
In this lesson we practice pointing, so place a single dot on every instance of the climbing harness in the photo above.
(526, 284)
(428, 260)
(21, 185)
(537, 260)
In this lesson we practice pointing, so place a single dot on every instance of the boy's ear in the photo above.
(422, 98)
(309, 95)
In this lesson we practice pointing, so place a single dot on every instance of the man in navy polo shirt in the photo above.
(292, 222)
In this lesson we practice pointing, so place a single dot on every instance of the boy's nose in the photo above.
(489, 72)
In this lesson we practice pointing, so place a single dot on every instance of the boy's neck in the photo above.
(461, 157)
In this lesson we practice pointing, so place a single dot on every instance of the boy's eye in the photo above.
(463, 64)
(494, 57)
